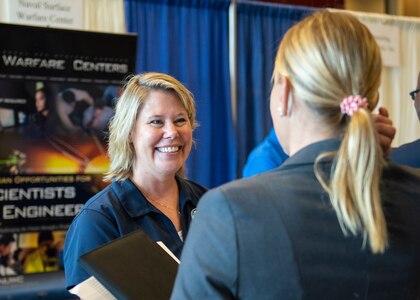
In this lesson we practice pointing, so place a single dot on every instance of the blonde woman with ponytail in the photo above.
(336, 220)
(340, 86)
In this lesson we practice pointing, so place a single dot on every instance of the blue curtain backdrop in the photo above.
(189, 40)
(260, 28)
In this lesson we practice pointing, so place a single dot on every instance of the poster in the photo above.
(58, 89)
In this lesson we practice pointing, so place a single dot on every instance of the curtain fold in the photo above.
(4, 6)
(188, 39)
(260, 28)
(104, 15)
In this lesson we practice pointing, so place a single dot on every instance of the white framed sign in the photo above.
(49, 13)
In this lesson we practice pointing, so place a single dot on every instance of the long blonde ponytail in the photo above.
(354, 182)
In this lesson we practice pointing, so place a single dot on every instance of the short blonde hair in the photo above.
(327, 57)
(136, 90)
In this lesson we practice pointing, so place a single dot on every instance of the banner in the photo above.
(57, 93)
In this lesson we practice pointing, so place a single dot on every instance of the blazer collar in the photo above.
(309, 154)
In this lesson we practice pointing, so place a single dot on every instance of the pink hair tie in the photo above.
(351, 104)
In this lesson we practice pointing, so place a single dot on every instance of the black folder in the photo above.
(132, 267)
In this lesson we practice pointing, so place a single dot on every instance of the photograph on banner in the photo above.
(53, 128)
(33, 252)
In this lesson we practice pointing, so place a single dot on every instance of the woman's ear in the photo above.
(286, 99)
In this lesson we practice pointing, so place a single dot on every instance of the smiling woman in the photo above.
(150, 138)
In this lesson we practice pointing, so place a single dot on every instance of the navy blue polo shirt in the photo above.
(119, 209)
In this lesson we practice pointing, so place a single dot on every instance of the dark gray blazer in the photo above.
(276, 236)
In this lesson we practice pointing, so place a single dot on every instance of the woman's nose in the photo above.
(171, 131)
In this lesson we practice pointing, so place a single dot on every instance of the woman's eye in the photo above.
(156, 122)
(180, 121)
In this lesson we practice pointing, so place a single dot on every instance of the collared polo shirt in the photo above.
(119, 209)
